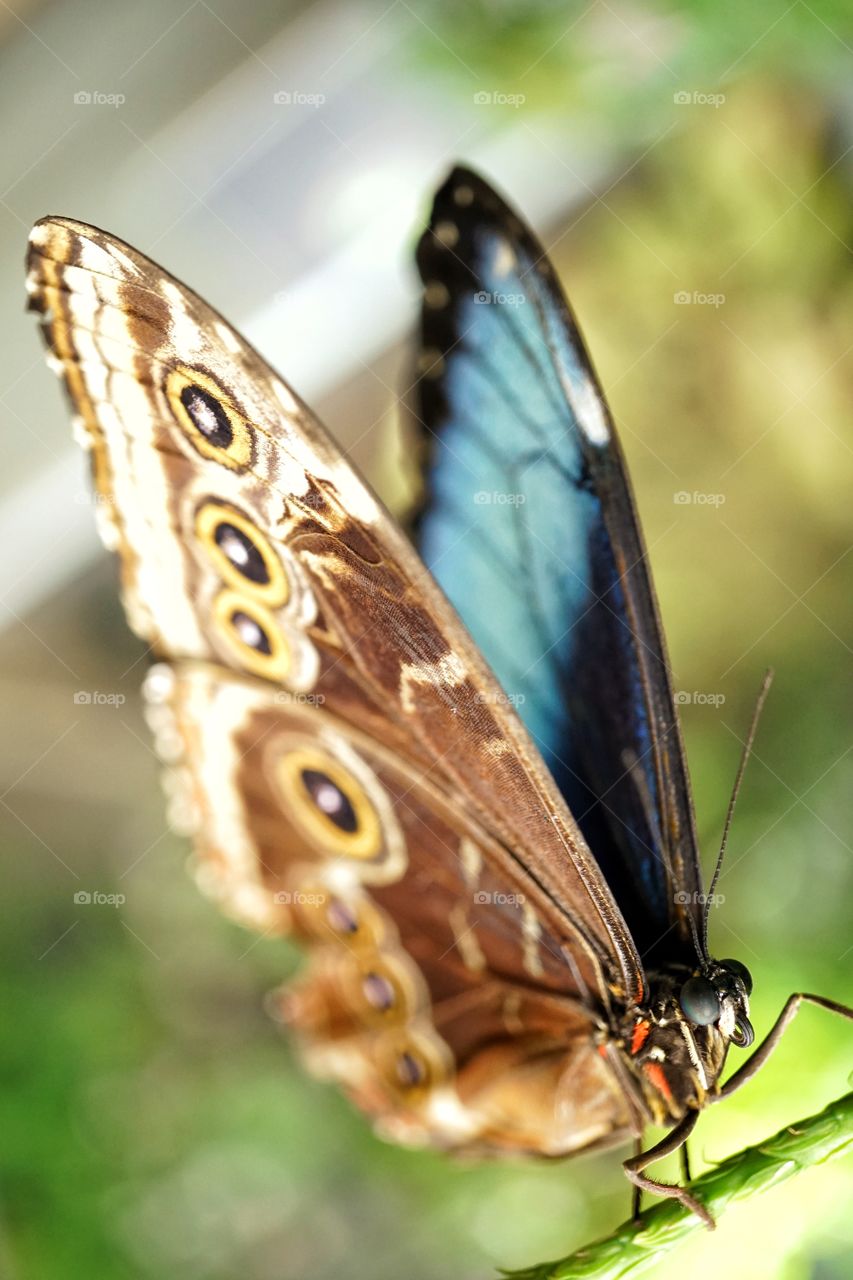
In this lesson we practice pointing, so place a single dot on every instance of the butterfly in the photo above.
(456, 776)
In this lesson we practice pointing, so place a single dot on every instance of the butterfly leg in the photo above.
(757, 1059)
(637, 1190)
(685, 1163)
(672, 1142)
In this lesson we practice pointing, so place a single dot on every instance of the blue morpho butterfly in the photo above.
(506, 927)
(529, 525)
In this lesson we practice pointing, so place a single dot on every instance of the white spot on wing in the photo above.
(184, 330)
(291, 477)
(159, 683)
(449, 670)
(356, 499)
(472, 862)
(341, 877)
(284, 396)
(124, 261)
(466, 940)
(436, 295)
(227, 337)
(450, 1117)
(446, 233)
(531, 931)
(588, 409)
(504, 260)
(94, 257)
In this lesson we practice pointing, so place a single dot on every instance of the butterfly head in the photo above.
(678, 1041)
(718, 995)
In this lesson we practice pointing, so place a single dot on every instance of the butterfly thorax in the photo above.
(677, 1059)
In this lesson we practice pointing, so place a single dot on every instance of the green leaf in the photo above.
(636, 1246)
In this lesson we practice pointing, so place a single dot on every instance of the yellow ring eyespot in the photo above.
(379, 990)
(330, 917)
(411, 1070)
(411, 1064)
(330, 804)
(242, 555)
(252, 635)
(208, 419)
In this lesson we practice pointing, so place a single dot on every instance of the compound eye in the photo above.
(700, 1002)
(740, 971)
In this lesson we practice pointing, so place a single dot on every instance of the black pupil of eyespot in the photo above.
(330, 800)
(241, 551)
(207, 415)
(700, 1002)
(409, 1071)
(250, 632)
(341, 918)
(378, 991)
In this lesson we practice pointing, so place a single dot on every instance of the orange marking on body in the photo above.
(602, 1049)
(657, 1075)
(640, 1036)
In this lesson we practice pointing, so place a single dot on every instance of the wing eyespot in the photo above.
(330, 804)
(331, 800)
(243, 557)
(351, 920)
(208, 420)
(411, 1065)
(409, 1069)
(379, 992)
(252, 635)
(342, 919)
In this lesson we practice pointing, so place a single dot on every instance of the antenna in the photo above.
(747, 751)
(701, 944)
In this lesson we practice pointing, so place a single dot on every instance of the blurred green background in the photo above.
(154, 1122)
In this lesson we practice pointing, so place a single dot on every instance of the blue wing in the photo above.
(530, 528)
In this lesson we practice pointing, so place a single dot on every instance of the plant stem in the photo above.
(636, 1246)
